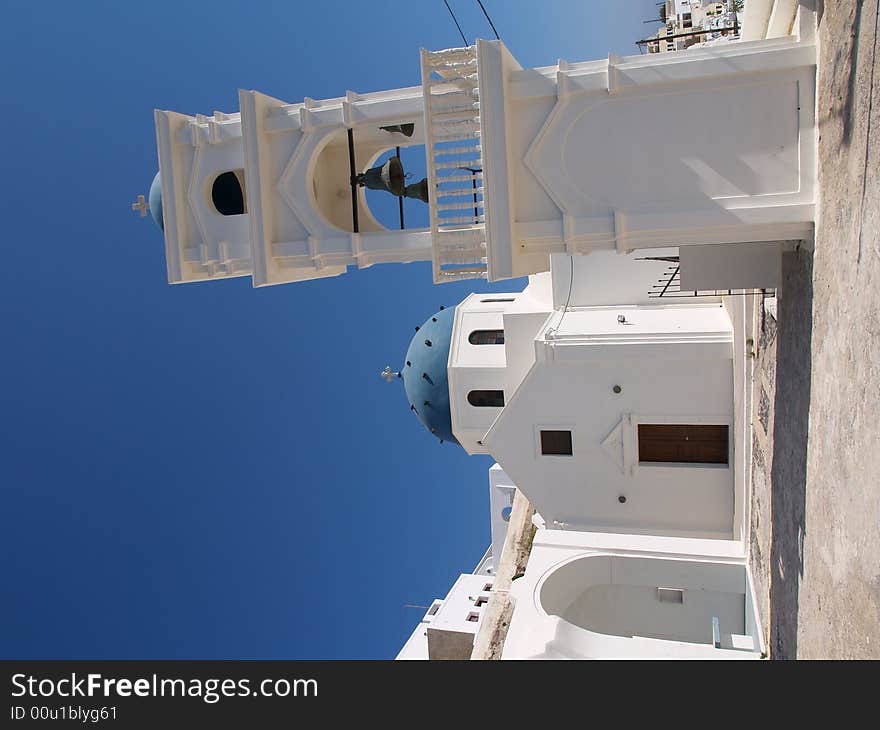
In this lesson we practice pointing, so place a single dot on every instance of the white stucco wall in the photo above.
(461, 603)
(523, 320)
(476, 367)
(501, 491)
(594, 595)
(736, 266)
(661, 381)
(618, 596)
(607, 277)
(452, 614)
(590, 175)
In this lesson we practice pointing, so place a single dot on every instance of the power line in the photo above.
(455, 20)
(568, 300)
(479, 2)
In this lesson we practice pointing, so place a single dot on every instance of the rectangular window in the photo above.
(674, 443)
(556, 443)
(473, 616)
(481, 601)
(670, 595)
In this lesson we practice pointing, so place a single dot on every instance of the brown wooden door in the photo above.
(682, 443)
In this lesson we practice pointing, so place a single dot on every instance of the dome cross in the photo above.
(141, 205)
(388, 374)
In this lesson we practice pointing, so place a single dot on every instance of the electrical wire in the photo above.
(568, 300)
(479, 2)
(455, 20)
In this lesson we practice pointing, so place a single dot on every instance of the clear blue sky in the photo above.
(209, 470)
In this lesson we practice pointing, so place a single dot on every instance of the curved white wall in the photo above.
(618, 596)
(756, 16)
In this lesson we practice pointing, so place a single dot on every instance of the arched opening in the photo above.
(486, 398)
(386, 207)
(227, 193)
(486, 337)
(377, 210)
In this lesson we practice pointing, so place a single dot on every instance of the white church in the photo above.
(648, 199)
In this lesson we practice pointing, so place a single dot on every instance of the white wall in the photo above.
(476, 367)
(451, 614)
(618, 596)
(200, 243)
(493, 367)
(501, 492)
(608, 583)
(461, 603)
(586, 172)
(756, 18)
(607, 277)
(522, 321)
(662, 380)
(736, 266)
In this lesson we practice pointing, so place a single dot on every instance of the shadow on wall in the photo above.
(790, 428)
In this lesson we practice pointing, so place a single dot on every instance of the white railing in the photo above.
(455, 164)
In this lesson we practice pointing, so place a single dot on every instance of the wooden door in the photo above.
(683, 443)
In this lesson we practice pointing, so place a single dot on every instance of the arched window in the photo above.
(486, 337)
(486, 398)
(227, 193)
(385, 207)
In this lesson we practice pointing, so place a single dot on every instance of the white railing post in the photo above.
(450, 84)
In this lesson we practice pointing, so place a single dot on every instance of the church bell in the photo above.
(418, 190)
(388, 177)
(405, 129)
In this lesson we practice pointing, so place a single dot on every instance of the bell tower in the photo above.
(700, 148)
(202, 196)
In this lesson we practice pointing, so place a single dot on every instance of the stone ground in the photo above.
(816, 472)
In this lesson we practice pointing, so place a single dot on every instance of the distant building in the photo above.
(683, 18)
(447, 629)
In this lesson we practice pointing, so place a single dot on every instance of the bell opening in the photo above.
(227, 193)
(385, 207)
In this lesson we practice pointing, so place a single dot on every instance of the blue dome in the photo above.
(156, 201)
(424, 374)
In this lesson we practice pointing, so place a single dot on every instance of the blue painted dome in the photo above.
(155, 201)
(425, 377)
